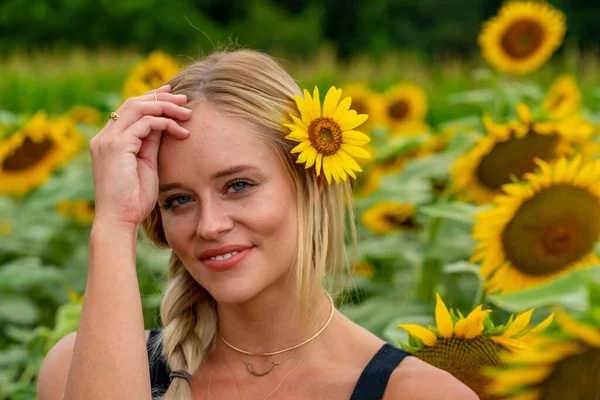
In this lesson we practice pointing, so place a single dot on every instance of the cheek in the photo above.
(177, 230)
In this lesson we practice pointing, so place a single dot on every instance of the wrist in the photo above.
(114, 229)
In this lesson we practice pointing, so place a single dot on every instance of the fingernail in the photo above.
(180, 96)
(165, 86)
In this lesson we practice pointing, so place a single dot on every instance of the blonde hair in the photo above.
(254, 87)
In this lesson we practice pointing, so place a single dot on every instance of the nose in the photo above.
(214, 220)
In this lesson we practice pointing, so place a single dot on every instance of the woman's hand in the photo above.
(124, 155)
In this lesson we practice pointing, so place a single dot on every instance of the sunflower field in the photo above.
(478, 211)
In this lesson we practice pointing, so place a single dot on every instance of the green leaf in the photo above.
(12, 356)
(569, 291)
(19, 310)
(454, 211)
(24, 273)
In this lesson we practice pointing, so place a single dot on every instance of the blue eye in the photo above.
(175, 201)
(240, 185)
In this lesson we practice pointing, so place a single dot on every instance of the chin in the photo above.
(233, 292)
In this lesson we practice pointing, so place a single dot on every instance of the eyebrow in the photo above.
(226, 172)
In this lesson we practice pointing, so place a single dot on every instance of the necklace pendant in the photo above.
(251, 370)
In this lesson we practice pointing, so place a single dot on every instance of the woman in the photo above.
(254, 230)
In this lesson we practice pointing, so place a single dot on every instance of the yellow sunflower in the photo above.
(327, 137)
(85, 114)
(509, 151)
(363, 268)
(151, 73)
(405, 109)
(564, 98)
(565, 366)
(466, 346)
(388, 216)
(366, 101)
(29, 156)
(542, 228)
(81, 211)
(522, 36)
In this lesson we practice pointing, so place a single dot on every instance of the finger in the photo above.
(147, 124)
(147, 96)
(148, 151)
(141, 109)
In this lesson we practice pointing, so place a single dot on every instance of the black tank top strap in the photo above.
(374, 378)
(159, 371)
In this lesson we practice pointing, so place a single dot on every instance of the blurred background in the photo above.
(478, 213)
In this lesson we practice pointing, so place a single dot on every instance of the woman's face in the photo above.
(228, 206)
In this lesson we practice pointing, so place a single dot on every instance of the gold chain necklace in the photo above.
(272, 353)
(237, 384)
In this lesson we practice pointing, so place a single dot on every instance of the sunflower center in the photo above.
(522, 38)
(464, 359)
(398, 110)
(515, 157)
(575, 377)
(400, 220)
(555, 228)
(27, 155)
(325, 135)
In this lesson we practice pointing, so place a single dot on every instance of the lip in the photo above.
(220, 265)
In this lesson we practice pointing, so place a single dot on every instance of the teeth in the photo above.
(224, 256)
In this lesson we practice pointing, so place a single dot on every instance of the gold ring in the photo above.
(155, 96)
(114, 115)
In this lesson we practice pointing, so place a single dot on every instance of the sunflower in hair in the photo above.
(366, 101)
(509, 150)
(562, 366)
(522, 36)
(541, 228)
(327, 136)
(29, 156)
(466, 346)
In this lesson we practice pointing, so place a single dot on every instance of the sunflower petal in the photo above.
(342, 109)
(301, 147)
(332, 98)
(427, 337)
(311, 156)
(348, 161)
(318, 162)
(588, 334)
(355, 151)
(542, 325)
(351, 120)
(298, 135)
(472, 325)
(302, 105)
(355, 138)
(519, 324)
(316, 103)
(443, 320)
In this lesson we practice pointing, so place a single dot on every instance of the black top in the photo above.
(370, 386)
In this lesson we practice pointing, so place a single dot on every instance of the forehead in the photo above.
(216, 142)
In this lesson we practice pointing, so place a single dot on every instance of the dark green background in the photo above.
(373, 27)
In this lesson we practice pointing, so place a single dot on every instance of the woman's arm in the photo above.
(110, 345)
(109, 358)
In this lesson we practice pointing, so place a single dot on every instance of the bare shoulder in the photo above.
(54, 372)
(413, 378)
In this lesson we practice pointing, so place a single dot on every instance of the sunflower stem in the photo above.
(431, 272)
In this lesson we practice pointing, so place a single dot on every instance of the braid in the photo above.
(190, 323)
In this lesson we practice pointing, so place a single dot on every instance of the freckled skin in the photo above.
(213, 213)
